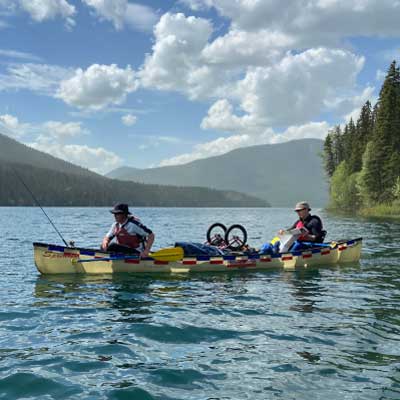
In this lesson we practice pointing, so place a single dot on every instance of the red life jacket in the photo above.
(299, 225)
(124, 238)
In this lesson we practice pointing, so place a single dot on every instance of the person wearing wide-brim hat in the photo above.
(127, 234)
(308, 231)
(310, 224)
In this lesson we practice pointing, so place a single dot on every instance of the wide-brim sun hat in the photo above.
(301, 206)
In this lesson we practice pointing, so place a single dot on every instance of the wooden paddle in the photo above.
(167, 254)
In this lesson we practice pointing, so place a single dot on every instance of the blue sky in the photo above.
(106, 83)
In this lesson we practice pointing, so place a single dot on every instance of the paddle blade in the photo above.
(168, 254)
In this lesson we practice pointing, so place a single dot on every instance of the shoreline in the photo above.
(380, 211)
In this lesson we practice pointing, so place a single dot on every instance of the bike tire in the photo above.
(236, 244)
(211, 228)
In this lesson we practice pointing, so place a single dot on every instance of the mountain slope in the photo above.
(16, 152)
(281, 173)
(55, 182)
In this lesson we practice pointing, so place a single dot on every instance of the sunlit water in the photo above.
(327, 333)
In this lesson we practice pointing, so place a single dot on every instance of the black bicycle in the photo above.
(233, 238)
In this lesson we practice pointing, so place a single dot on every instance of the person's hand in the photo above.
(104, 244)
(144, 254)
(281, 231)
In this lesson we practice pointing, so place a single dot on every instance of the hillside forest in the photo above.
(362, 159)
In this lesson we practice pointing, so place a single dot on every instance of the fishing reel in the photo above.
(233, 238)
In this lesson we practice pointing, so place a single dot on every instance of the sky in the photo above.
(111, 83)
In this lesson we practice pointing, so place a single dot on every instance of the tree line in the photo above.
(362, 159)
(55, 188)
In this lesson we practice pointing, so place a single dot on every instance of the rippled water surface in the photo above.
(327, 333)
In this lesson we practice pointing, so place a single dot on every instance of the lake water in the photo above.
(327, 333)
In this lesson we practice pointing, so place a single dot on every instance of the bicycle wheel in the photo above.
(216, 234)
(236, 237)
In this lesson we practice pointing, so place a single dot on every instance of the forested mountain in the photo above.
(362, 159)
(16, 152)
(57, 183)
(281, 174)
(53, 188)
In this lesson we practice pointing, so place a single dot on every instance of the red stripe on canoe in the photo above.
(241, 265)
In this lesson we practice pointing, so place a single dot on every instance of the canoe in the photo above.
(55, 259)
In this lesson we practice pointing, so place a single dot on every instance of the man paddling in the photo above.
(130, 235)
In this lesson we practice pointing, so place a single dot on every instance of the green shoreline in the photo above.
(384, 211)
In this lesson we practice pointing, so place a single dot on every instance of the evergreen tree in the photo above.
(349, 142)
(338, 145)
(380, 166)
(363, 132)
(329, 157)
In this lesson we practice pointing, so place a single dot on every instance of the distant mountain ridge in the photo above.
(281, 174)
(55, 182)
(13, 151)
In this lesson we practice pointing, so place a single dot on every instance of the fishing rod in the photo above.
(37, 202)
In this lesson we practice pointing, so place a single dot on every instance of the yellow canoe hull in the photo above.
(54, 259)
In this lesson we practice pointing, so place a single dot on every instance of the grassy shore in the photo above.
(382, 211)
(385, 211)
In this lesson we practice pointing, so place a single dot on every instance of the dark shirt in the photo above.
(313, 224)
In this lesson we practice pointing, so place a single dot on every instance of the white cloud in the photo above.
(50, 131)
(10, 125)
(319, 21)
(241, 48)
(96, 159)
(223, 145)
(18, 55)
(221, 117)
(380, 75)
(195, 5)
(315, 130)
(278, 88)
(357, 102)
(9, 121)
(140, 17)
(129, 119)
(41, 10)
(50, 136)
(60, 131)
(40, 78)
(98, 86)
(342, 105)
(176, 62)
(295, 90)
(291, 92)
(121, 13)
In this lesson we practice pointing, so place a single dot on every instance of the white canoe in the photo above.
(55, 259)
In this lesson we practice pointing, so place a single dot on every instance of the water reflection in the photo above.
(306, 290)
(130, 295)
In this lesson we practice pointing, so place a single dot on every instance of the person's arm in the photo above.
(282, 231)
(147, 247)
(107, 239)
